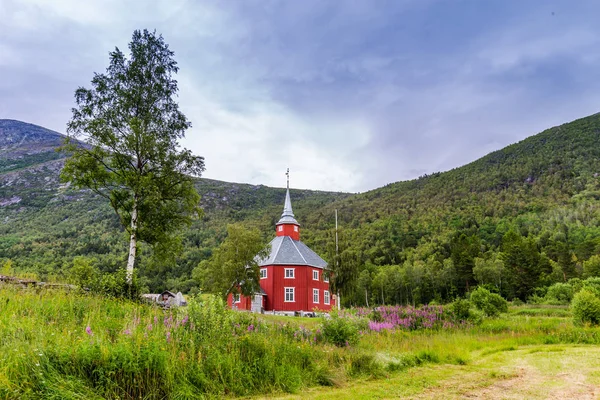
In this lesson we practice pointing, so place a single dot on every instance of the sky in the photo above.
(350, 95)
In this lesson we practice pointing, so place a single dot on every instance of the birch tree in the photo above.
(131, 125)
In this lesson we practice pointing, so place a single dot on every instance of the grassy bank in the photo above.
(68, 346)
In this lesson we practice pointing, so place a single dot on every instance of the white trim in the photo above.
(326, 297)
(292, 290)
(316, 295)
(237, 298)
(261, 273)
(295, 228)
(285, 273)
(315, 275)
(325, 277)
(280, 228)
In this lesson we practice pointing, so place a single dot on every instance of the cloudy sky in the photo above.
(350, 95)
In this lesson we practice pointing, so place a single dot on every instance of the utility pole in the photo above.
(339, 307)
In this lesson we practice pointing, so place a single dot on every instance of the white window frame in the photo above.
(326, 297)
(295, 228)
(237, 298)
(292, 276)
(315, 275)
(325, 278)
(261, 273)
(289, 290)
(280, 228)
(316, 296)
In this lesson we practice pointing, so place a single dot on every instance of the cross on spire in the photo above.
(288, 178)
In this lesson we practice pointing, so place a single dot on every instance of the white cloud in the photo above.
(260, 143)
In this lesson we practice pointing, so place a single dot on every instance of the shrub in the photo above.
(83, 273)
(460, 308)
(592, 285)
(586, 308)
(491, 304)
(340, 331)
(517, 302)
(558, 294)
(116, 285)
(476, 317)
(576, 284)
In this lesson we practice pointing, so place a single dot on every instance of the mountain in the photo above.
(518, 220)
(44, 224)
(23, 145)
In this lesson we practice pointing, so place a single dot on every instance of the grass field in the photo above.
(57, 345)
(530, 372)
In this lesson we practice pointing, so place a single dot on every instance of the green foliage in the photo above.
(83, 273)
(132, 126)
(365, 364)
(234, 266)
(7, 268)
(489, 271)
(61, 345)
(591, 267)
(340, 331)
(533, 206)
(586, 308)
(118, 284)
(461, 309)
(559, 294)
(592, 285)
(491, 304)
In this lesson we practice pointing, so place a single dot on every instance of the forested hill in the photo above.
(44, 224)
(516, 220)
(528, 212)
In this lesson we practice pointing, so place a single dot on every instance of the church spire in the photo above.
(287, 216)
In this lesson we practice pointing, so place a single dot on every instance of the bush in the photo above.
(476, 317)
(576, 284)
(592, 285)
(517, 302)
(116, 285)
(340, 331)
(586, 308)
(491, 304)
(559, 294)
(460, 308)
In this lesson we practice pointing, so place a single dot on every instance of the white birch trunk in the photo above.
(132, 243)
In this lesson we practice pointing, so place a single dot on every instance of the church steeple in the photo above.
(287, 225)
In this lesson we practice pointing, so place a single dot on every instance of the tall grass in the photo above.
(57, 345)
(61, 345)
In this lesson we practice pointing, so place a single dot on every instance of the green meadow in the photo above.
(61, 345)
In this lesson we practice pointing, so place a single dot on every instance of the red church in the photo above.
(293, 277)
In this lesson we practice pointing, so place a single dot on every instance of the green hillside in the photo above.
(44, 224)
(517, 220)
(536, 200)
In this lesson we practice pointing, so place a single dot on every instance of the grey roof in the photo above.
(287, 217)
(287, 251)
